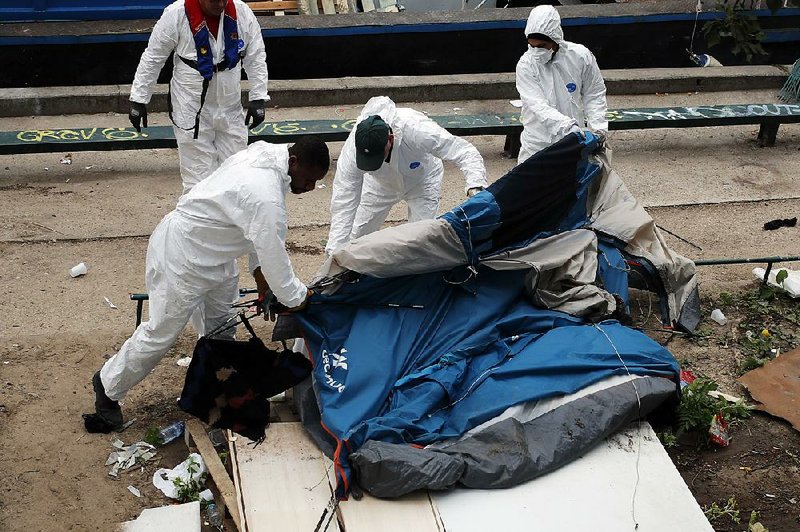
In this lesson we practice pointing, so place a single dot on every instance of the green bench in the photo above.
(768, 116)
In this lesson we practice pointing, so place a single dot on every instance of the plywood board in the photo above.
(413, 512)
(283, 481)
(626, 480)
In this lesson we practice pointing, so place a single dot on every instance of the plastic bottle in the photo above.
(171, 432)
(213, 515)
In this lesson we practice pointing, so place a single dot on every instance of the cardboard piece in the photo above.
(776, 385)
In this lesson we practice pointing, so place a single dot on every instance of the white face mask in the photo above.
(541, 55)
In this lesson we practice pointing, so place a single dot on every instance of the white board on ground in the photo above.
(595, 492)
(413, 512)
(283, 481)
(183, 517)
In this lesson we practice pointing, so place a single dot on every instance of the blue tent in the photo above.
(416, 359)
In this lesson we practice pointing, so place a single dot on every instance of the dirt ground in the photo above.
(713, 187)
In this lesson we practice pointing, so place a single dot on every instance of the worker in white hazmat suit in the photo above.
(394, 154)
(212, 41)
(560, 84)
(191, 258)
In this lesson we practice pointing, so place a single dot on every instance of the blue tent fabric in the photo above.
(418, 359)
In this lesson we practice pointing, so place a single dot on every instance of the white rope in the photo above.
(639, 403)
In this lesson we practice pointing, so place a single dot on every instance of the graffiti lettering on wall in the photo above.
(94, 133)
(711, 111)
(337, 129)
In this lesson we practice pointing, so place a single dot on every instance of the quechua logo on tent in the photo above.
(331, 362)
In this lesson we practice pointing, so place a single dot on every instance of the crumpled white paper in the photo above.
(163, 479)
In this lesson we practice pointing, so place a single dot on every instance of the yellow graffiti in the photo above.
(111, 133)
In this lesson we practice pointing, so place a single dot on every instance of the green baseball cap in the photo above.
(372, 134)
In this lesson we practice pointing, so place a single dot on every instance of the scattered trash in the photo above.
(67, 159)
(788, 281)
(128, 456)
(457, 109)
(213, 515)
(109, 303)
(46, 169)
(765, 333)
(718, 431)
(718, 317)
(704, 60)
(769, 495)
(134, 491)
(780, 222)
(687, 377)
(217, 437)
(776, 387)
(206, 495)
(184, 362)
(171, 432)
(78, 270)
(89, 167)
(190, 472)
(722, 395)
(516, 103)
(321, 185)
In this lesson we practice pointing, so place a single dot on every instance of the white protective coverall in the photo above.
(560, 95)
(362, 200)
(222, 130)
(191, 258)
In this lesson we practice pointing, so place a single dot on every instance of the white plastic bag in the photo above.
(791, 285)
(164, 479)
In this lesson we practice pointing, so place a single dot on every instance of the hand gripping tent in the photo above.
(481, 348)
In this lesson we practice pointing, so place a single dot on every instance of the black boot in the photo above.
(108, 414)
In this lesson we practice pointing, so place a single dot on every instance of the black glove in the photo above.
(138, 115)
(255, 111)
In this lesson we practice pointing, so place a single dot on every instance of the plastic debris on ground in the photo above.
(109, 303)
(718, 432)
(788, 282)
(127, 456)
(190, 471)
(184, 362)
(171, 432)
(687, 377)
(135, 491)
(67, 159)
(777, 387)
(78, 270)
(718, 317)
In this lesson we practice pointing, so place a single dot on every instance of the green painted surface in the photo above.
(97, 138)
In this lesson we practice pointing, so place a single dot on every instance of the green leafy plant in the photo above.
(697, 408)
(153, 437)
(668, 438)
(715, 511)
(742, 33)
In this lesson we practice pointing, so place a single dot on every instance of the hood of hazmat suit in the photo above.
(561, 92)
